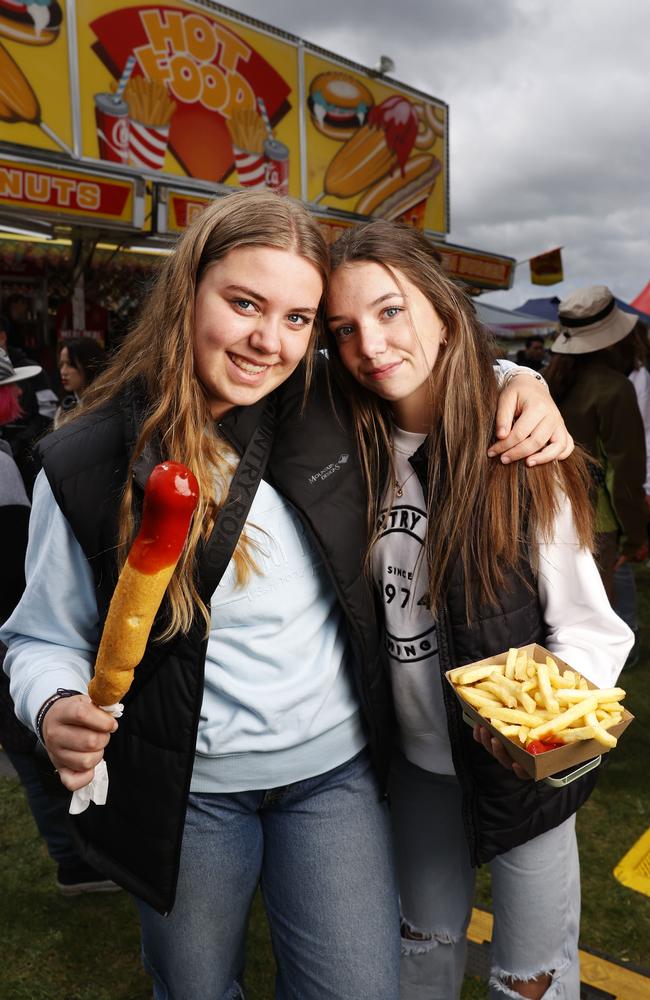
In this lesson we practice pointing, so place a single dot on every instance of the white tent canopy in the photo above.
(513, 323)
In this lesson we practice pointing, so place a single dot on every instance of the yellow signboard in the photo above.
(187, 91)
(34, 54)
(41, 188)
(374, 148)
(178, 89)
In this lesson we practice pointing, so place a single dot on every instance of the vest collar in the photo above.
(237, 426)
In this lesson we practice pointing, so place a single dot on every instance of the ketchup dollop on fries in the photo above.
(539, 746)
(536, 705)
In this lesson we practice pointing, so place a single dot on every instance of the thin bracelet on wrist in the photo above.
(47, 705)
(510, 375)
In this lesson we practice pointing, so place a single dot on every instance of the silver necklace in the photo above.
(399, 487)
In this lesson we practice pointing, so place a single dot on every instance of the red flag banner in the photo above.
(546, 269)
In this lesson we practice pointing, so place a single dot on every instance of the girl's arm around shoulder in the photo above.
(53, 633)
(529, 424)
(582, 627)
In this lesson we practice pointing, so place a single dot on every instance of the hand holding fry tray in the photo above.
(171, 496)
(547, 715)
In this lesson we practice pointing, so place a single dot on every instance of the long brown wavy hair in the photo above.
(479, 510)
(158, 355)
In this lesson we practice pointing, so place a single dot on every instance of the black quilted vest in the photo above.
(136, 837)
(500, 811)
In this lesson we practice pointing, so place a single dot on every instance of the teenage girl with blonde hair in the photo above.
(469, 557)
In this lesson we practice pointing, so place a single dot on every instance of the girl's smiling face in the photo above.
(254, 317)
(388, 336)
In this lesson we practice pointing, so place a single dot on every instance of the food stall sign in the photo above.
(374, 146)
(192, 90)
(63, 194)
(481, 269)
(36, 94)
(177, 209)
(195, 90)
(189, 89)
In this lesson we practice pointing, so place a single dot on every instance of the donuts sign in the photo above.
(187, 93)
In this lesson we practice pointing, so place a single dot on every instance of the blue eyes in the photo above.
(390, 312)
(248, 307)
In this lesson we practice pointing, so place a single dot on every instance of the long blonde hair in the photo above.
(158, 355)
(479, 510)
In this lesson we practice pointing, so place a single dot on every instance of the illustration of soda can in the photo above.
(250, 167)
(148, 144)
(277, 166)
(111, 118)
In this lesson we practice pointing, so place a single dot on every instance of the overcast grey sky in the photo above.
(549, 119)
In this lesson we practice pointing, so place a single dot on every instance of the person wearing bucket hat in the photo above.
(14, 504)
(593, 352)
(10, 375)
(37, 406)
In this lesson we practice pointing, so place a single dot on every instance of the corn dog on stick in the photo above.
(171, 495)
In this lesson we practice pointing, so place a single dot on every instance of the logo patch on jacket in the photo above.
(328, 471)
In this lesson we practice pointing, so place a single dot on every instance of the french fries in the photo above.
(529, 701)
(149, 102)
(247, 130)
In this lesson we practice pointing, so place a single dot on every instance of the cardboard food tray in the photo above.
(544, 765)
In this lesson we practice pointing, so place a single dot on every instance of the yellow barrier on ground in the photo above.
(633, 870)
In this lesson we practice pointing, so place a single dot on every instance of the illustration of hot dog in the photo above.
(401, 190)
(171, 496)
(382, 144)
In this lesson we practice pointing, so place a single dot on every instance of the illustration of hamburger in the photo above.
(339, 104)
(402, 192)
(384, 143)
(34, 23)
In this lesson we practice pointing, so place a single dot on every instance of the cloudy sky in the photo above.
(549, 120)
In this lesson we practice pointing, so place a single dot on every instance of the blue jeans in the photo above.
(321, 851)
(50, 811)
(535, 896)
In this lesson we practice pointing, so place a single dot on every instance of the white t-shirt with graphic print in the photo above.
(582, 628)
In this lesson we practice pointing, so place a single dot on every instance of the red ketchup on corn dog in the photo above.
(171, 496)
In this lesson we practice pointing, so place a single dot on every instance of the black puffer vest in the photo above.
(500, 811)
(136, 837)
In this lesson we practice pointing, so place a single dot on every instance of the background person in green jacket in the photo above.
(587, 378)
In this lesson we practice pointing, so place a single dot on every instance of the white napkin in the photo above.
(97, 788)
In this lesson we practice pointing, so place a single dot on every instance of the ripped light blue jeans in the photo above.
(535, 896)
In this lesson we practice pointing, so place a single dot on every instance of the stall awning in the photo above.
(514, 323)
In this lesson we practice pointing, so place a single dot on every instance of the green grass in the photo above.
(87, 948)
